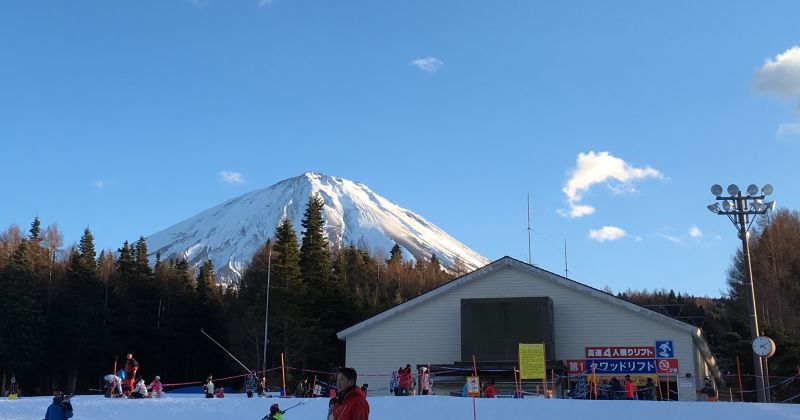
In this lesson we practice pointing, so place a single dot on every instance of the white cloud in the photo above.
(788, 129)
(264, 3)
(231, 177)
(429, 64)
(695, 232)
(600, 168)
(780, 77)
(99, 184)
(606, 233)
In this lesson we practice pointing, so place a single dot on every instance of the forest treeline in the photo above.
(68, 312)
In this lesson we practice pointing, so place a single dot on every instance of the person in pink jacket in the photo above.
(155, 386)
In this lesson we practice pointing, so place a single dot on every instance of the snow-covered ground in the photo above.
(237, 406)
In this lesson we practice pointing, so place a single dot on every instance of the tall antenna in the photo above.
(530, 261)
(566, 266)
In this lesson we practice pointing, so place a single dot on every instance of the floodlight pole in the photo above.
(741, 210)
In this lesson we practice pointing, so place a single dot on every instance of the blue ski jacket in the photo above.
(57, 411)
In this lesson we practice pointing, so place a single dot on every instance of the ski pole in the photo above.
(226, 351)
(300, 403)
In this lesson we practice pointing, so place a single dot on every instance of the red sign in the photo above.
(621, 352)
(576, 367)
(667, 366)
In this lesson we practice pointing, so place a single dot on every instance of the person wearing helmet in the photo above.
(156, 387)
(275, 413)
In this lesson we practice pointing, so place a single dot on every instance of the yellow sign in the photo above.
(531, 361)
(473, 386)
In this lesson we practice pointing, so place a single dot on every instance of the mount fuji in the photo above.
(230, 233)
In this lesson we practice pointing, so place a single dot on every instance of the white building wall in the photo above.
(430, 332)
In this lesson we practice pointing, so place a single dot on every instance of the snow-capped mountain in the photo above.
(230, 233)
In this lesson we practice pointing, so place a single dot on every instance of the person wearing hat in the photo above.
(60, 409)
(156, 387)
(424, 381)
(708, 390)
(275, 413)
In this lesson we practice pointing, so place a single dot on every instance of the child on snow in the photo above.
(219, 393)
(275, 413)
(208, 387)
(250, 384)
(60, 409)
(155, 386)
(113, 383)
(140, 391)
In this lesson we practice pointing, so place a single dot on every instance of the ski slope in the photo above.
(237, 406)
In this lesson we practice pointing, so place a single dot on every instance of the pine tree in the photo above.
(315, 259)
(35, 229)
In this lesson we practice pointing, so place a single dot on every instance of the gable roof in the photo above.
(508, 262)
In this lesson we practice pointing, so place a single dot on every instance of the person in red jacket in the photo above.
(488, 391)
(630, 388)
(406, 381)
(351, 403)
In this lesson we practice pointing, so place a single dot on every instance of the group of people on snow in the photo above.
(126, 384)
(403, 383)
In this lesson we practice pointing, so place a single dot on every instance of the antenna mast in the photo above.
(566, 266)
(530, 261)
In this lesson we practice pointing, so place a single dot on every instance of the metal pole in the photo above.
(530, 261)
(754, 332)
(266, 309)
(766, 380)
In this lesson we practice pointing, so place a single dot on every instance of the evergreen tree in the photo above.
(35, 229)
(315, 259)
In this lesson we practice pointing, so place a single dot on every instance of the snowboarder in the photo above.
(275, 413)
(156, 387)
(351, 403)
(60, 409)
(113, 385)
(208, 387)
(250, 384)
(708, 390)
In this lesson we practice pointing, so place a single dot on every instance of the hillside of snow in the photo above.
(237, 406)
(230, 233)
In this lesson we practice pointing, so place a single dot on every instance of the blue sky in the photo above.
(123, 116)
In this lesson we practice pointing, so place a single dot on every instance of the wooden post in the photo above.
(658, 385)
(553, 378)
(516, 387)
(314, 387)
(283, 375)
(114, 372)
(730, 391)
(739, 369)
(668, 389)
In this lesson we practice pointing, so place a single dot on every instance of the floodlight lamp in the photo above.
(716, 190)
(752, 189)
(770, 205)
(713, 208)
(767, 189)
(727, 205)
(733, 189)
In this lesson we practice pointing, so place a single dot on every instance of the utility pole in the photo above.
(266, 309)
(530, 260)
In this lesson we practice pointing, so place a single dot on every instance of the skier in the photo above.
(262, 386)
(131, 367)
(208, 387)
(351, 403)
(250, 384)
(275, 413)
(406, 381)
(424, 381)
(113, 383)
(60, 409)
(13, 388)
(395, 381)
(649, 391)
(156, 387)
(488, 391)
(140, 391)
(630, 388)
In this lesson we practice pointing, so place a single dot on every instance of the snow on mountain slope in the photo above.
(230, 233)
